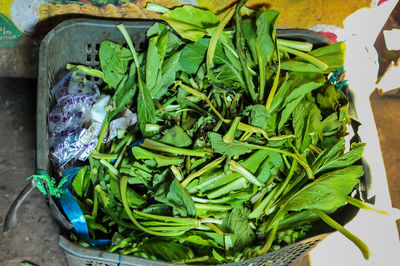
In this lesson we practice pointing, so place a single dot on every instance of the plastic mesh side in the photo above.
(82, 256)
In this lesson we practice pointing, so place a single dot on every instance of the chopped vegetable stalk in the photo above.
(231, 172)
(360, 244)
(236, 167)
(309, 58)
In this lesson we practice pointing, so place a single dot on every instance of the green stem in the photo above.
(261, 71)
(309, 58)
(304, 164)
(276, 82)
(158, 146)
(214, 228)
(121, 155)
(103, 130)
(283, 186)
(170, 228)
(188, 221)
(123, 183)
(240, 49)
(121, 143)
(215, 36)
(204, 169)
(95, 205)
(302, 46)
(229, 137)
(97, 155)
(110, 167)
(236, 167)
(177, 173)
(105, 202)
(332, 223)
(159, 223)
(206, 183)
(268, 242)
(189, 261)
(363, 205)
(86, 70)
(235, 185)
(256, 213)
(212, 207)
(128, 40)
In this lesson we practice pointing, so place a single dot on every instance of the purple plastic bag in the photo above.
(69, 139)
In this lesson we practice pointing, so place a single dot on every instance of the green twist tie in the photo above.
(42, 177)
(336, 78)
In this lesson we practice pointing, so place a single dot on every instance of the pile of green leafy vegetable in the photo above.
(241, 140)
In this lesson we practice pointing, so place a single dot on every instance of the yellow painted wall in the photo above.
(5, 6)
(301, 13)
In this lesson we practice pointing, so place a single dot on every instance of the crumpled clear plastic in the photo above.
(76, 120)
(68, 136)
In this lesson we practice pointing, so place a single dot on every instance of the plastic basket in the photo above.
(77, 41)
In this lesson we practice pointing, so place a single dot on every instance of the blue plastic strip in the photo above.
(120, 260)
(70, 174)
(99, 242)
(75, 215)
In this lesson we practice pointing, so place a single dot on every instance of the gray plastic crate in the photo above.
(77, 41)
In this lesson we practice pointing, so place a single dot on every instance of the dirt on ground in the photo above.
(35, 238)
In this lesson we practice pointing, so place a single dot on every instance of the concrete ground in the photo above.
(35, 238)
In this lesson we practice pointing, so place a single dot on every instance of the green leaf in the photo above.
(328, 191)
(331, 123)
(196, 239)
(94, 226)
(114, 60)
(145, 107)
(345, 160)
(297, 66)
(81, 182)
(217, 256)
(161, 160)
(280, 95)
(294, 98)
(158, 209)
(169, 69)
(124, 93)
(328, 99)
(333, 55)
(265, 43)
(133, 198)
(156, 29)
(190, 22)
(306, 121)
(154, 61)
(166, 250)
(215, 36)
(229, 149)
(176, 136)
(296, 219)
(249, 28)
(227, 68)
(269, 169)
(266, 34)
(237, 223)
(193, 55)
(308, 83)
(173, 194)
(146, 111)
(258, 115)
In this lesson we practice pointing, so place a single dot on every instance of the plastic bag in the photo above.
(67, 133)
